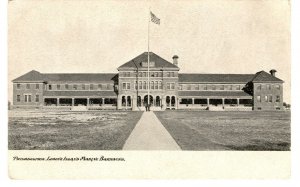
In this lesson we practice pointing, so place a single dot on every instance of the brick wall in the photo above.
(31, 90)
(268, 93)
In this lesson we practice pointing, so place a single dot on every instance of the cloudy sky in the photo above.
(98, 36)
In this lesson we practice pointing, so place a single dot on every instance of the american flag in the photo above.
(154, 19)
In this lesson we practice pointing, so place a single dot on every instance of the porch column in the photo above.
(87, 101)
(163, 101)
(119, 102)
(57, 101)
(223, 102)
(103, 101)
(73, 101)
(238, 101)
(207, 101)
(193, 101)
(134, 102)
(160, 101)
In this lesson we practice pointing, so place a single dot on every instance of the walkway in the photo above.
(150, 134)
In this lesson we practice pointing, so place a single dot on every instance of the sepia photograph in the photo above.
(178, 76)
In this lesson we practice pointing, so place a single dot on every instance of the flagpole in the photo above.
(148, 58)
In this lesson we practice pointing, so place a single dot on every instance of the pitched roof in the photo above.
(263, 76)
(220, 78)
(80, 76)
(30, 76)
(159, 62)
(81, 93)
(35, 76)
(214, 93)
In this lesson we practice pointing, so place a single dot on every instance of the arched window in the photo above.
(145, 85)
(128, 101)
(152, 85)
(157, 101)
(123, 101)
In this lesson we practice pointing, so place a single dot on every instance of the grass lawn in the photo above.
(57, 130)
(207, 130)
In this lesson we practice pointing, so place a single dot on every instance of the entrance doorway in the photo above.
(146, 99)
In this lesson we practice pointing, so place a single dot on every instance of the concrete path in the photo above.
(150, 134)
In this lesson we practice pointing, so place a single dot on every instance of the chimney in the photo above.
(272, 72)
(175, 60)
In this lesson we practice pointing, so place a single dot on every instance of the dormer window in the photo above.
(145, 64)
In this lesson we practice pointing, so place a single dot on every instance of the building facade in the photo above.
(168, 89)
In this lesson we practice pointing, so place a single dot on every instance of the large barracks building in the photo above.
(168, 89)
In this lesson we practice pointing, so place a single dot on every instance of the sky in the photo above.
(209, 36)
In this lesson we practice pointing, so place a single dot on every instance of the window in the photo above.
(213, 87)
(160, 85)
(91, 86)
(83, 86)
(258, 98)
(268, 87)
(18, 86)
(99, 86)
(277, 86)
(196, 87)
(37, 86)
(140, 85)
(136, 85)
(104, 86)
(266, 98)
(168, 86)
(159, 74)
(145, 85)
(270, 98)
(18, 98)
(128, 86)
(27, 86)
(58, 87)
(49, 87)
(180, 87)
(110, 87)
(156, 74)
(75, 86)
(66, 86)
(277, 98)
(152, 85)
(152, 74)
(188, 87)
(37, 98)
(144, 74)
(205, 87)
(27, 98)
(222, 87)
(172, 74)
(168, 74)
(140, 74)
(156, 85)
(237, 87)
(259, 87)
(172, 86)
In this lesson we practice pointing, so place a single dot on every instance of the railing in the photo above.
(103, 107)
(54, 107)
